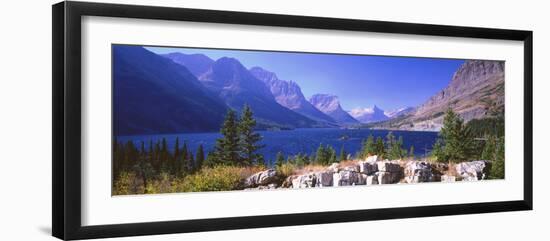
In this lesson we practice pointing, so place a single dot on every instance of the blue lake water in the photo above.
(292, 142)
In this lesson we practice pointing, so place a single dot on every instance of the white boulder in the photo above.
(388, 177)
(419, 171)
(347, 178)
(372, 159)
(447, 178)
(474, 170)
(372, 180)
(261, 178)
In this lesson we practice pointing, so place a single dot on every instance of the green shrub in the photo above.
(285, 170)
(217, 178)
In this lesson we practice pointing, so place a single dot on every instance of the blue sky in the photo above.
(359, 81)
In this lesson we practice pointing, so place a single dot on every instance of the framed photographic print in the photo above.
(170, 120)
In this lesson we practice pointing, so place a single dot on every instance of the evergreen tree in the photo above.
(331, 153)
(279, 159)
(211, 159)
(182, 164)
(343, 154)
(260, 161)
(458, 143)
(497, 166)
(300, 159)
(249, 139)
(227, 147)
(411, 152)
(396, 150)
(177, 148)
(142, 148)
(190, 163)
(199, 160)
(369, 148)
(380, 149)
(489, 150)
(437, 151)
(321, 157)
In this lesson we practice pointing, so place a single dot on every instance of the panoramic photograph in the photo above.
(202, 119)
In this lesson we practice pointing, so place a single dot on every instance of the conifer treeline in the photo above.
(238, 146)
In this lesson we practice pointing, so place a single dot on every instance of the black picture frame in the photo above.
(66, 169)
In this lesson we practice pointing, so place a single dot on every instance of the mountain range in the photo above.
(289, 95)
(475, 91)
(178, 92)
(368, 115)
(330, 105)
(152, 94)
(234, 84)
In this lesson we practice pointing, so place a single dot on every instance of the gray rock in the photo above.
(367, 167)
(420, 171)
(347, 178)
(447, 178)
(334, 167)
(261, 178)
(388, 166)
(324, 179)
(388, 177)
(372, 180)
(474, 170)
(304, 181)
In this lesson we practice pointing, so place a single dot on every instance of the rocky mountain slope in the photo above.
(198, 64)
(368, 115)
(330, 105)
(152, 95)
(289, 95)
(399, 112)
(232, 82)
(475, 91)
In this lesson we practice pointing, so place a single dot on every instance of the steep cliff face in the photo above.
(233, 83)
(368, 115)
(330, 105)
(289, 94)
(475, 91)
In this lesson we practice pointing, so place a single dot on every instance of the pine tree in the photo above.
(199, 160)
(249, 139)
(458, 142)
(343, 154)
(411, 152)
(279, 159)
(489, 150)
(211, 159)
(299, 159)
(331, 153)
(190, 163)
(395, 150)
(175, 157)
(321, 157)
(182, 163)
(380, 149)
(369, 148)
(437, 151)
(227, 147)
(497, 167)
(177, 148)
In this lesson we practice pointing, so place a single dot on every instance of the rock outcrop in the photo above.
(372, 172)
(420, 171)
(262, 178)
(473, 171)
